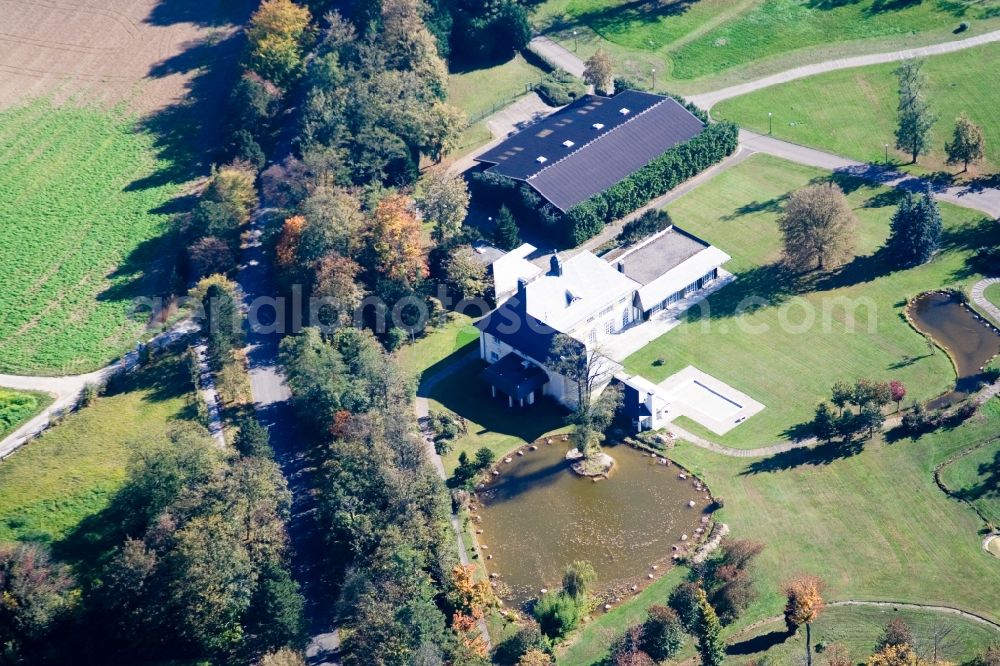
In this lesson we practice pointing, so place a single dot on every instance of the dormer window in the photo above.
(541, 159)
(568, 143)
(624, 111)
(598, 126)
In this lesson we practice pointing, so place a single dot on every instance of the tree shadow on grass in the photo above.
(760, 643)
(989, 486)
(821, 454)
(615, 18)
(761, 286)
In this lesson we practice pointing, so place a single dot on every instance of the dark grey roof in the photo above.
(597, 159)
(515, 376)
(517, 157)
(616, 155)
(510, 323)
(670, 249)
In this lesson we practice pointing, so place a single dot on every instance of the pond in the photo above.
(971, 342)
(538, 516)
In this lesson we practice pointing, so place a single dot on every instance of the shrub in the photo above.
(662, 633)
(559, 88)
(557, 613)
(684, 602)
(647, 224)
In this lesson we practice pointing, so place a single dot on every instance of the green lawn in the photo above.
(481, 92)
(853, 112)
(872, 524)
(490, 422)
(801, 339)
(976, 478)
(704, 44)
(72, 471)
(992, 294)
(857, 628)
(16, 407)
(438, 343)
(79, 245)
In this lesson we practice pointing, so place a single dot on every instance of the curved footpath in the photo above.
(708, 100)
(978, 296)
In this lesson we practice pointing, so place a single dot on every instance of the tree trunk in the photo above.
(809, 655)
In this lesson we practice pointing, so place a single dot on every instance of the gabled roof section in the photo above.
(513, 266)
(510, 323)
(592, 144)
(565, 131)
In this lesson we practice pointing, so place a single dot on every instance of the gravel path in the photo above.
(557, 55)
(978, 297)
(709, 99)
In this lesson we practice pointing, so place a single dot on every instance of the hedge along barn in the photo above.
(599, 159)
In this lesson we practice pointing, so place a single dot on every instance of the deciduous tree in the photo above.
(394, 238)
(967, 143)
(898, 391)
(577, 579)
(336, 292)
(662, 633)
(276, 38)
(817, 227)
(466, 274)
(914, 119)
(805, 603)
(895, 633)
(599, 72)
(443, 200)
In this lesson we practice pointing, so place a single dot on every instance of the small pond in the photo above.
(538, 516)
(970, 341)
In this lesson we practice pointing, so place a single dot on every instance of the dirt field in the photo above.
(142, 52)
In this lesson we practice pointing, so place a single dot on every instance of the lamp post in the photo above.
(574, 40)
(769, 125)
(652, 74)
(886, 153)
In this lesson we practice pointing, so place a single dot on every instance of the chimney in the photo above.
(522, 291)
(621, 266)
(555, 265)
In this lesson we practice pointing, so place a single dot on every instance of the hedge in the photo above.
(655, 179)
(586, 219)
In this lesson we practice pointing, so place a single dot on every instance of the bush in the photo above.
(559, 88)
(557, 613)
(647, 224)
(684, 602)
(662, 633)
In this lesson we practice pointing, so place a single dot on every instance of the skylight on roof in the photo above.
(568, 143)
(624, 111)
(541, 159)
(598, 126)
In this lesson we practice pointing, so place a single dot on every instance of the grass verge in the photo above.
(16, 407)
(483, 91)
(50, 486)
(853, 112)
(976, 479)
(439, 342)
(785, 342)
(992, 294)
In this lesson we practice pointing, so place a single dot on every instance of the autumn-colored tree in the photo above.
(837, 655)
(535, 657)
(470, 596)
(626, 650)
(599, 72)
(283, 657)
(336, 293)
(286, 251)
(210, 255)
(898, 391)
(466, 273)
(467, 629)
(817, 227)
(805, 603)
(276, 36)
(896, 655)
(34, 594)
(895, 632)
(394, 238)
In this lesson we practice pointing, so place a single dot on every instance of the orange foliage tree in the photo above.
(394, 238)
(288, 243)
(805, 603)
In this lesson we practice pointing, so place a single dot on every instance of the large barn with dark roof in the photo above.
(590, 145)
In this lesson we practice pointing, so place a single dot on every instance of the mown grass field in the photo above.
(50, 486)
(439, 342)
(976, 478)
(690, 42)
(83, 214)
(992, 294)
(853, 112)
(872, 524)
(480, 92)
(16, 407)
(785, 342)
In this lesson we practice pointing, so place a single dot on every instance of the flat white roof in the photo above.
(512, 266)
(681, 276)
(588, 284)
